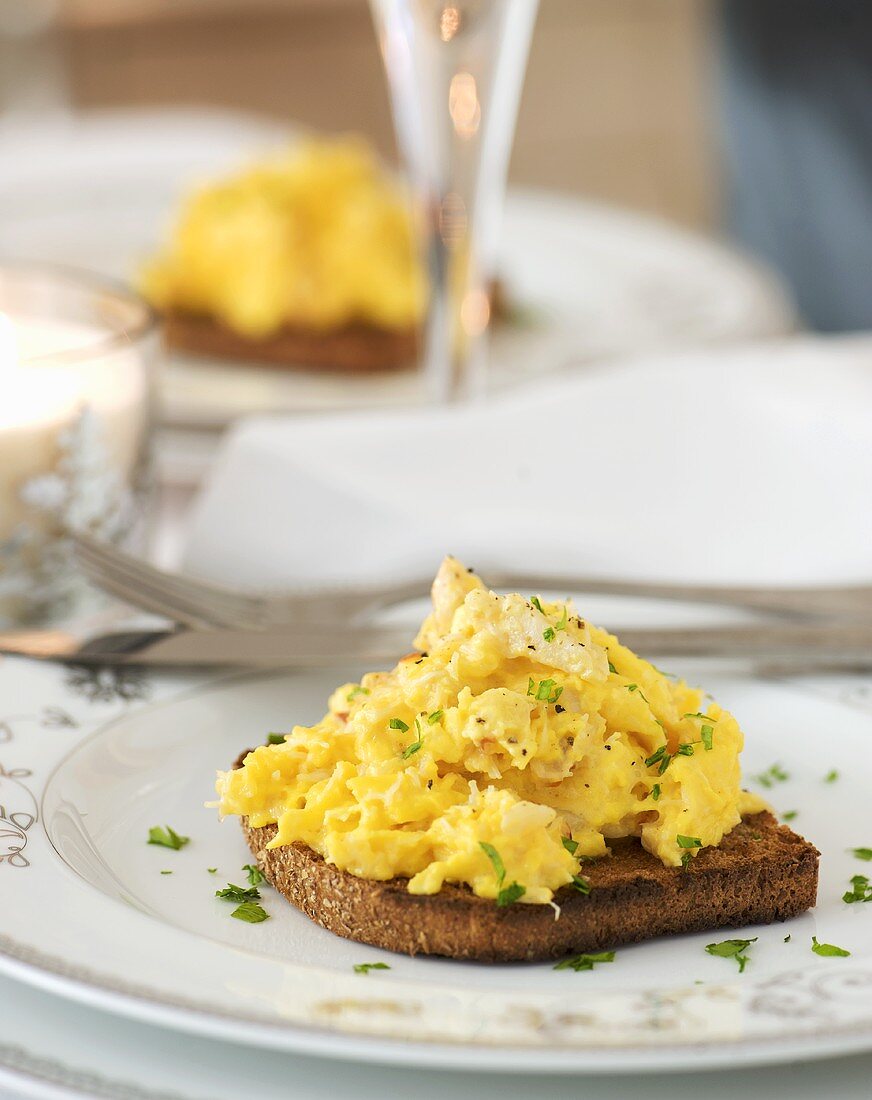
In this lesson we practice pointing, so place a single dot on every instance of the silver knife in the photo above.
(800, 646)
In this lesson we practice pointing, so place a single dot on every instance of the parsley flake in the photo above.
(212, 870)
(831, 776)
(167, 838)
(548, 634)
(789, 815)
(255, 875)
(238, 894)
(398, 724)
(364, 968)
(275, 739)
(773, 775)
(355, 691)
(547, 691)
(732, 949)
(686, 749)
(662, 757)
(537, 603)
(436, 716)
(862, 853)
(706, 734)
(415, 746)
(250, 912)
(861, 890)
(635, 687)
(828, 950)
(581, 884)
(585, 962)
(612, 668)
(655, 792)
(570, 845)
(166, 872)
(509, 894)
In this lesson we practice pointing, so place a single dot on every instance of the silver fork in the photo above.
(202, 604)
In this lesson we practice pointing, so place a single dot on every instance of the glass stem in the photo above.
(455, 71)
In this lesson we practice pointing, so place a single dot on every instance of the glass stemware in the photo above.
(455, 70)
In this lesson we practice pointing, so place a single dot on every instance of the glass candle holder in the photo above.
(77, 363)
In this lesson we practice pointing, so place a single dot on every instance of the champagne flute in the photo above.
(455, 70)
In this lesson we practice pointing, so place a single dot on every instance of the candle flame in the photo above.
(8, 342)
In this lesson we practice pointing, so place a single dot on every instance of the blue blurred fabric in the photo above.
(796, 103)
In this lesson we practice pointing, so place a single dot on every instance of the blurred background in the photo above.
(614, 105)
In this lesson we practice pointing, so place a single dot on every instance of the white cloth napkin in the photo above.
(747, 464)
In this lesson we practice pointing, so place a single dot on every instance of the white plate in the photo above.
(98, 191)
(95, 920)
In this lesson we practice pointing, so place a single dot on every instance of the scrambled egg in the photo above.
(514, 744)
(318, 238)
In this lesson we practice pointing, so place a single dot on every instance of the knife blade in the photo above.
(834, 644)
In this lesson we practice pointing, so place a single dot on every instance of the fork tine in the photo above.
(137, 582)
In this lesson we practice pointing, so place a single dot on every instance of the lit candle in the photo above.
(74, 409)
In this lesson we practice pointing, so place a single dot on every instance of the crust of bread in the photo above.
(761, 872)
(355, 348)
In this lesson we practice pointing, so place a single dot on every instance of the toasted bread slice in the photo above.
(354, 348)
(761, 872)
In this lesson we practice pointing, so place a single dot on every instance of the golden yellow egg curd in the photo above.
(513, 745)
(317, 238)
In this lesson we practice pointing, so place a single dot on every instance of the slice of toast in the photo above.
(761, 872)
(353, 349)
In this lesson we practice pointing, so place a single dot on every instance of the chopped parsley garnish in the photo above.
(275, 739)
(787, 938)
(828, 950)
(255, 875)
(662, 757)
(831, 776)
(364, 968)
(581, 884)
(415, 746)
(570, 845)
(861, 890)
(585, 962)
(550, 632)
(509, 894)
(686, 749)
(398, 724)
(773, 775)
(547, 691)
(212, 870)
(688, 841)
(537, 603)
(167, 838)
(862, 853)
(235, 893)
(706, 734)
(612, 668)
(166, 872)
(250, 912)
(635, 687)
(655, 792)
(436, 716)
(789, 815)
(732, 949)
(496, 860)
(356, 691)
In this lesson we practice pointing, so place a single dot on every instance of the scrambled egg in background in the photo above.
(318, 238)
(518, 741)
